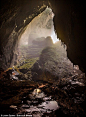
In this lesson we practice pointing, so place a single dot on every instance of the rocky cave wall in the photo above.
(69, 24)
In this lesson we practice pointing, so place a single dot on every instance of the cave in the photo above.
(42, 58)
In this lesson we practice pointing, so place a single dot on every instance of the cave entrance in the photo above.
(41, 51)
(39, 34)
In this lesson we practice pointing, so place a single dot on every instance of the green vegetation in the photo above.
(27, 64)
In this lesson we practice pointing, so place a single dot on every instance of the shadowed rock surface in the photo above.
(62, 98)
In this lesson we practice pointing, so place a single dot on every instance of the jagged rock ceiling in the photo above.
(69, 22)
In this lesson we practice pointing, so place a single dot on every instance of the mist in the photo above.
(41, 26)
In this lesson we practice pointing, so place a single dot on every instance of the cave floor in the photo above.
(69, 95)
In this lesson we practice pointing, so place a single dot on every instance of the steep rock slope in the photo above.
(53, 63)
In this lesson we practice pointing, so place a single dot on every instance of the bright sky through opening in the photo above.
(41, 26)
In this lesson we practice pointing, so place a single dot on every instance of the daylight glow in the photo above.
(41, 26)
(54, 38)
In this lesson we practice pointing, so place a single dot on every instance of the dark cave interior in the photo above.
(70, 26)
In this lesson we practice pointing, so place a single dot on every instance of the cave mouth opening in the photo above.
(41, 26)
(39, 49)
(38, 34)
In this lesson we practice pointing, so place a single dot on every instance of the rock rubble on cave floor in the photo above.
(65, 97)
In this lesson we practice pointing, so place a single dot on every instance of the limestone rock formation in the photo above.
(53, 60)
